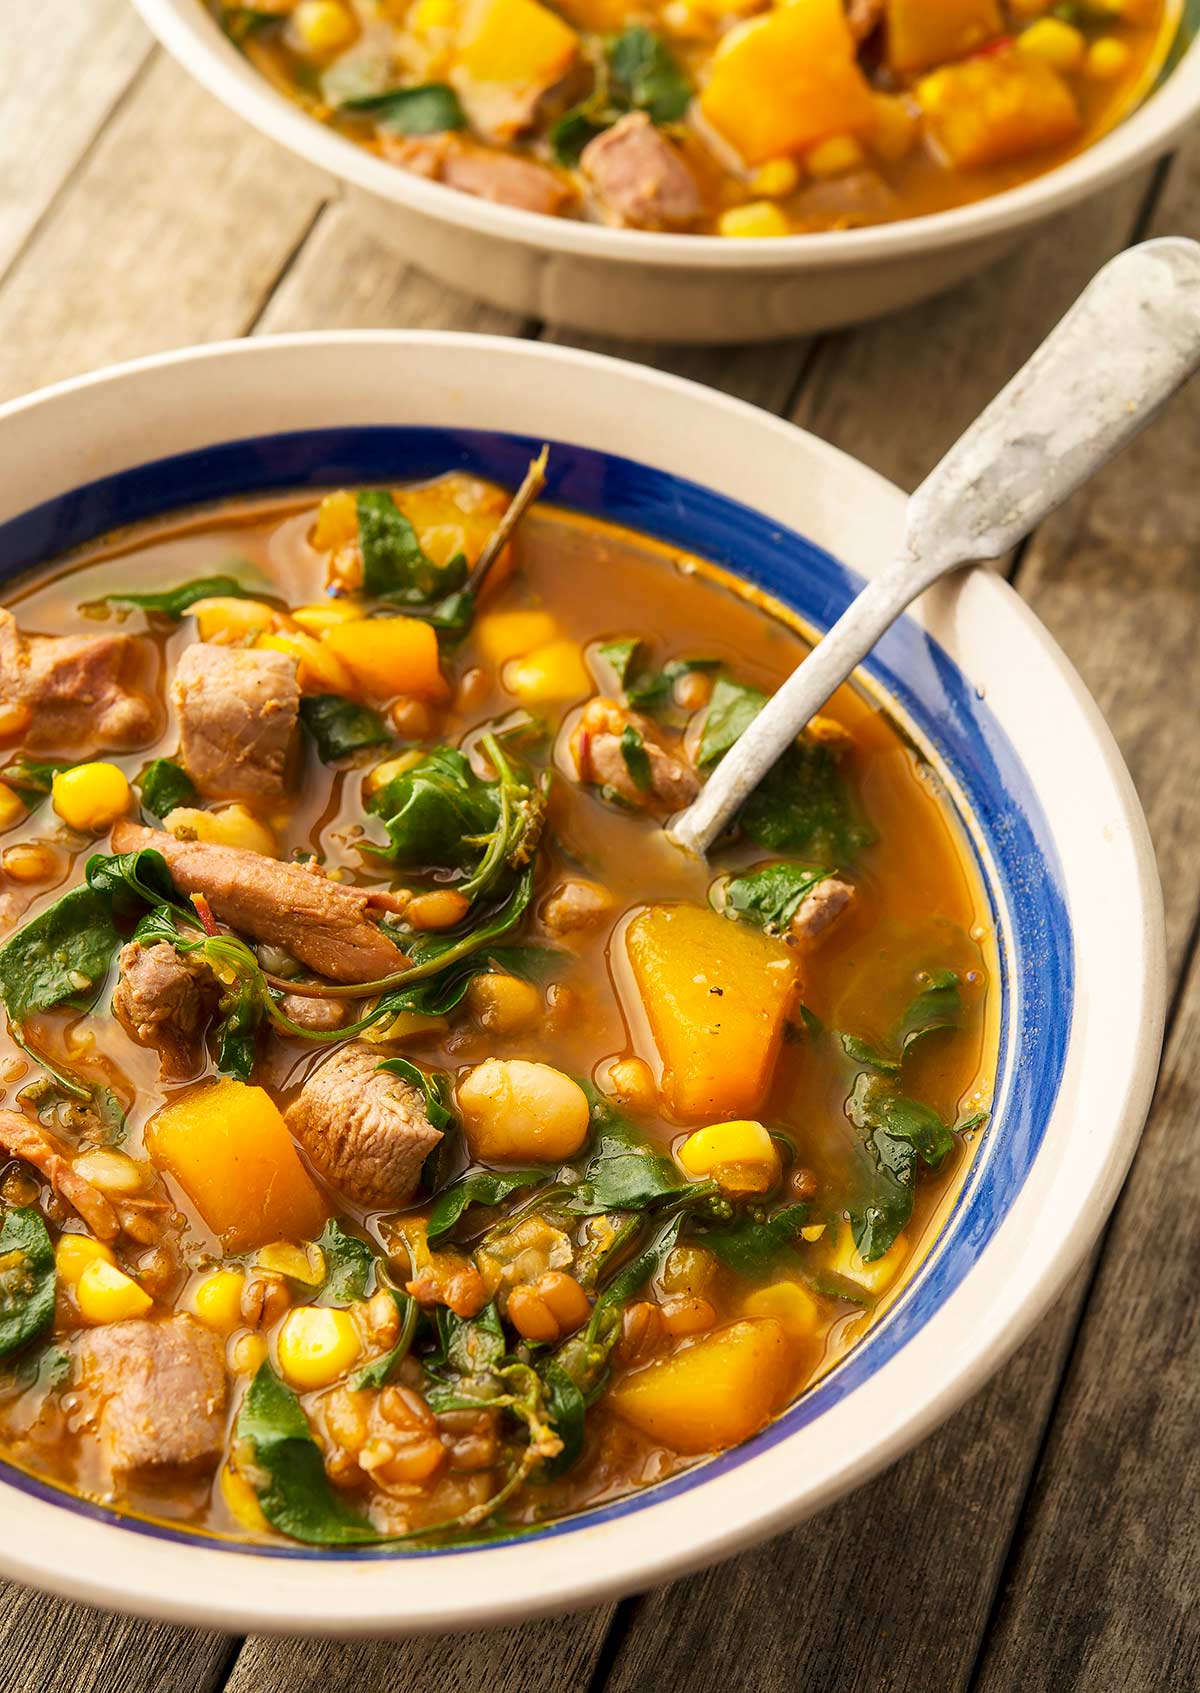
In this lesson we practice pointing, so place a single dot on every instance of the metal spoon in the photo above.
(1129, 341)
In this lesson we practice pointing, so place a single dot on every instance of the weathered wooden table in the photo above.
(1049, 1535)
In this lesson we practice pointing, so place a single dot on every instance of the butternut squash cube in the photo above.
(921, 33)
(987, 110)
(455, 514)
(515, 44)
(713, 1393)
(227, 1146)
(785, 81)
(387, 656)
(716, 995)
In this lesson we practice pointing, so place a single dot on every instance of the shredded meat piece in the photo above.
(157, 1393)
(20, 1137)
(71, 692)
(366, 1130)
(164, 1000)
(482, 171)
(237, 719)
(600, 759)
(575, 905)
(820, 909)
(639, 177)
(326, 925)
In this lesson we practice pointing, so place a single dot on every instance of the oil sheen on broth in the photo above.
(679, 1132)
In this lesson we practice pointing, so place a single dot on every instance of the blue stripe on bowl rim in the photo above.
(1004, 822)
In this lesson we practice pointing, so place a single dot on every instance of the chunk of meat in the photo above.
(575, 905)
(845, 202)
(322, 1016)
(156, 1392)
(505, 178)
(165, 1000)
(71, 692)
(640, 178)
(819, 910)
(601, 757)
(237, 719)
(21, 1137)
(367, 1131)
(324, 924)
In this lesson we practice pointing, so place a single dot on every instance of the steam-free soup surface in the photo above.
(730, 117)
(398, 1135)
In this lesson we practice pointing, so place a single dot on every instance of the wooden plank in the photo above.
(49, 1646)
(884, 1606)
(343, 278)
(66, 67)
(1102, 1592)
(542, 1657)
(766, 375)
(172, 231)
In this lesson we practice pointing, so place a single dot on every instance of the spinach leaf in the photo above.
(133, 879)
(349, 1265)
(566, 1408)
(471, 1346)
(752, 1248)
(61, 957)
(32, 779)
(637, 759)
(436, 813)
(619, 656)
(380, 1370)
(27, 1279)
(633, 1277)
(177, 602)
(646, 74)
(288, 1471)
(395, 566)
(648, 690)
(239, 1013)
(429, 109)
(165, 785)
(899, 1134)
(862, 1052)
(731, 711)
(339, 727)
(434, 1084)
(625, 1173)
(240, 21)
(937, 1006)
(769, 898)
(477, 1187)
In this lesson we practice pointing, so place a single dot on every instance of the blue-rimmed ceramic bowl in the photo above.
(981, 688)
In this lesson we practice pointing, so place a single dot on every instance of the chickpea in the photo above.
(631, 1083)
(689, 1270)
(802, 1183)
(641, 1330)
(514, 1109)
(503, 1004)
(247, 1353)
(548, 1308)
(442, 908)
(30, 862)
(346, 1415)
(472, 689)
(158, 1272)
(693, 690)
(560, 1005)
(383, 1320)
(411, 718)
(265, 1299)
(687, 1316)
(18, 1189)
(473, 1438)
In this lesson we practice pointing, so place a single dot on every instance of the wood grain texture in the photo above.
(542, 1657)
(49, 1646)
(65, 66)
(172, 230)
(1103, 1587)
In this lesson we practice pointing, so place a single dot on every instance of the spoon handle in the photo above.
(1129, 341)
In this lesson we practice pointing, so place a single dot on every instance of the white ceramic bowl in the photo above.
(644, 286)
(974, 678)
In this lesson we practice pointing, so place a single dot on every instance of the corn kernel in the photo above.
(247, 1353)
(503, 1005)
(75, 1252)
(317, 1344)
(12, 807)
(841, 153)
(390, 769)
(107, 1295)
(113, 1172)
(318, 668)
(315, 619)
(740, 1156)
(241, 1501)
(231, 621)
(896, 126)
(1059, 43)
(409, 1025)
(323, 26)
(776, 178)
(814, 1231)
(792, 1306)
(1106, 59)
(549, 673)
(90, 797)
(337, 522)
(753, 222)
(231, 825)
(304, 1264)
(218, 1301)
(441, 908)
(501, 635)
(847, 1261)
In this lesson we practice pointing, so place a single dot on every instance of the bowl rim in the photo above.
(194, 39)
(199, 1585)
